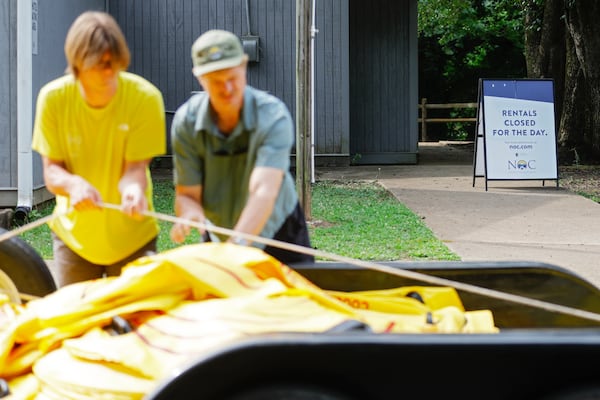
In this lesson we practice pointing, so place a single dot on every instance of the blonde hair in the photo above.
(91, 35)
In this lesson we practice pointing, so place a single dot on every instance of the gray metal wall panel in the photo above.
(274, 22)
(161, 33)
(331, 78)
(382, 81)
(412, 136)
(54, 19)
(8, 137)
(360, 50)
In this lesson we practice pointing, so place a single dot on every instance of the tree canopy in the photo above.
(461, 41)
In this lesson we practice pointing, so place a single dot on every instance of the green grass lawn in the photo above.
(353, 219)
(364, 221)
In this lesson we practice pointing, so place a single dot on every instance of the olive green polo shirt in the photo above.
(222, 164)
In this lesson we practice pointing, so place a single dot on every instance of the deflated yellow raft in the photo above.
(183, 303)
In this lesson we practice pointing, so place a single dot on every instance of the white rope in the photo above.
(360, 263)
(24, 228)
(378, 267)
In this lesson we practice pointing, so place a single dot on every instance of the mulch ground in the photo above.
(580, 178)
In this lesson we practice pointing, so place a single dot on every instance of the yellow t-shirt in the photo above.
(95, 143)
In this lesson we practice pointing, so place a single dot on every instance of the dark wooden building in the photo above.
(365, 68)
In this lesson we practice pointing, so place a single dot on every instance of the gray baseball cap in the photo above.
(215, 50)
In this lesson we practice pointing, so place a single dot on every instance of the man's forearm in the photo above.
(255, 214)
(134, 174)
(58, 180)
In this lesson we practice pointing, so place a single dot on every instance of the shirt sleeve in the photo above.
(275, 150)
(148, 136)
(187, 150)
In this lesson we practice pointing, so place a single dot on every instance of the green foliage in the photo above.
(590, 196)
(355, 158)
(461, 41)
(445, 19)
(460, 130)
(479, 24)
(533, 11)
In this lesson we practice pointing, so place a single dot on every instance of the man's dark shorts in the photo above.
(294, 230)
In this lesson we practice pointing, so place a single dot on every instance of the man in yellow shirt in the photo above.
(97, 128)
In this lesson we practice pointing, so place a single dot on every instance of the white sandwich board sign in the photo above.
(516, 135)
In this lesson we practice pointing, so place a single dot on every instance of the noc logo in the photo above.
(521, 165)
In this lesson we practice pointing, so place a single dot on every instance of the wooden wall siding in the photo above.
(365, 61)
(274, 22)
(8, 99)
(54, 19)
(332, 117)
(161, 32)
(382, 82)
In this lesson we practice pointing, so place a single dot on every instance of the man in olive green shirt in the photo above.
(231, 151)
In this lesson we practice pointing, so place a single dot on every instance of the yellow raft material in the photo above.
(183, 303)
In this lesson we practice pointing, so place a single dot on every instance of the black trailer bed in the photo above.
(540, 281)
(538, 354)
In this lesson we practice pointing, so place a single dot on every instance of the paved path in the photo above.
(511, 221)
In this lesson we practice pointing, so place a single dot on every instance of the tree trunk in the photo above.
(562, 42)
(545, 46)
(573, 125)
(582, 24)
(544, 38)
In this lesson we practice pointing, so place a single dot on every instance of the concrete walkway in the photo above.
(511, 221)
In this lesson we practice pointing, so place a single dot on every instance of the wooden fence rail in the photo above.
(423, 120)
